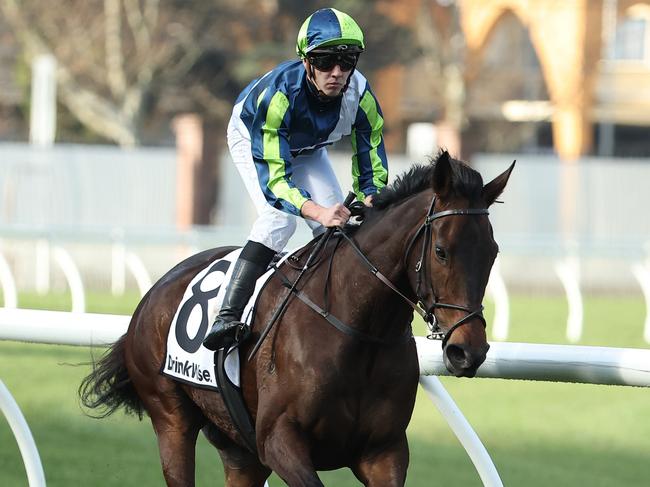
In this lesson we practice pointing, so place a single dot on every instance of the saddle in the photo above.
(231, 394)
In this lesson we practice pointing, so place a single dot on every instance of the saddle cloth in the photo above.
(187, 360)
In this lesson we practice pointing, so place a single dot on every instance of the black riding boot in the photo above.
(227, 328)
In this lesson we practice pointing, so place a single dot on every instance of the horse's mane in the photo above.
(465, 182)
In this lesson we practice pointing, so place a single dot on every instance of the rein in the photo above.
(426, 312)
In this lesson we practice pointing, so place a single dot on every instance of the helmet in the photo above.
(328, 27)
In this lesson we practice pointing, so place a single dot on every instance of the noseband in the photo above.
(422, 272)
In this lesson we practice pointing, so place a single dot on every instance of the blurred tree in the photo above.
(442, 44)
(440, 37)
(125, 63)
(118, 58)
(127, 67)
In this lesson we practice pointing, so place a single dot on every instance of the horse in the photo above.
(322, 399)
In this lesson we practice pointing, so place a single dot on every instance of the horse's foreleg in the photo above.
(386, 467)
(285, 451)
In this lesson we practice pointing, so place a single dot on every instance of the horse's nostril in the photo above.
(457, 355)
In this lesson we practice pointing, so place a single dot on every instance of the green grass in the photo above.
(95, 302)
(538, 434)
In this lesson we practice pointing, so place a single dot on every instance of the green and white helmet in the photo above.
(328, 27)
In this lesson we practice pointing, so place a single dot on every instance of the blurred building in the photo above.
(570, 76)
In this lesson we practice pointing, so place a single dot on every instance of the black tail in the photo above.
(108, 387)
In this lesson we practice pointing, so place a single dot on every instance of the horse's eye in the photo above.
(441, 254)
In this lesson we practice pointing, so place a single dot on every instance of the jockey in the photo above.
(277, 135)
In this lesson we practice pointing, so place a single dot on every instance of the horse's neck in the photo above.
(384, 243)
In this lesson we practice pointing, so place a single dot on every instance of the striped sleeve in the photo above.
(271, 153)
(369, 162)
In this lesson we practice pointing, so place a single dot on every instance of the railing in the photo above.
(558, 363)
(125, 259)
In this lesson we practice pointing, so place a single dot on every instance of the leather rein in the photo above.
(422, 271)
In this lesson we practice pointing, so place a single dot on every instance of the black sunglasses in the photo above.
(326, 62)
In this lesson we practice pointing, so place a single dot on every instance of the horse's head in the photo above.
(451, 257)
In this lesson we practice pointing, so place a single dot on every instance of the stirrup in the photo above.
(242, 331)
(230, 333)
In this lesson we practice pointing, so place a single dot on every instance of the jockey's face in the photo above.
(330, 82)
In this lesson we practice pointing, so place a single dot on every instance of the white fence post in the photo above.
(71, 273)
(568, 271)
(463, 431)
(497, 289)
(42, 266)
(24, 438)
(139, 271)
(642, 274)
(42, 118)
(118, 266)
(8, 284)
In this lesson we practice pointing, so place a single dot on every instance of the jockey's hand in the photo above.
(336, 215)
(368, 200)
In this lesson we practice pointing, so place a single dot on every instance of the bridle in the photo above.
(422, 272)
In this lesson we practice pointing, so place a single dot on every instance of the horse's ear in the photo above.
(442, 175)
(494, 188)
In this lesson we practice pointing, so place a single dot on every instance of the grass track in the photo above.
(538, 434)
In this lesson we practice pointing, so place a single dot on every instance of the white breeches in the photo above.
(313, 173)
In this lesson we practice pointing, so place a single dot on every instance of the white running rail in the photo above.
(61, 327)
(559, 363)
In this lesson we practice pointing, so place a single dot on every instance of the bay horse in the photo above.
(321, 399)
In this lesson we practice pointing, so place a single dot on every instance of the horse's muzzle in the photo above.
(462, 360)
